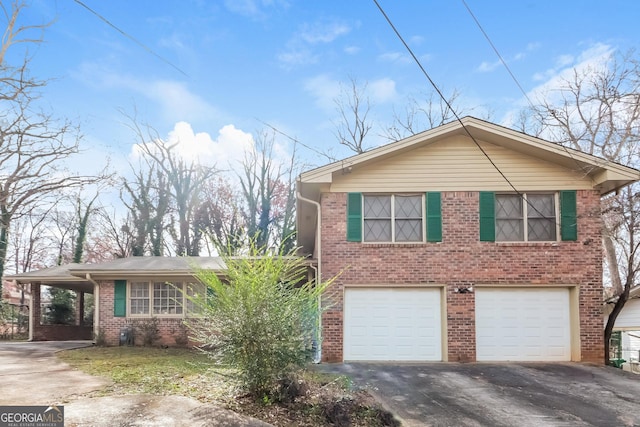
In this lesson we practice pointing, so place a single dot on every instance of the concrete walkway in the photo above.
(31, 374)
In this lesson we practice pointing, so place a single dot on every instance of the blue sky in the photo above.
(244, 62)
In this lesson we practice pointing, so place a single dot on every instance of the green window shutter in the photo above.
(434, 217)
(487, 216)
(120, 298)
(354, 217)
(568, 215)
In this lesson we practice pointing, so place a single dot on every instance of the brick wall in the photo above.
(461, 259)
(169, 329)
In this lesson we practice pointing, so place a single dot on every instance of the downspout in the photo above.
(318, 270)
(96, 305)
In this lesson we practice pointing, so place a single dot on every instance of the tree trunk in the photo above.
(611, 321)
(4, 235)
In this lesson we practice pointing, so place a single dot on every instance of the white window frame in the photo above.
(525, 216)
(187, 309)
(393, 218)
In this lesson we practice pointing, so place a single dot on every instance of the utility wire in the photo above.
(426, 74)
(130, 37)
(424, 71)
(513, 76)
(486, 36)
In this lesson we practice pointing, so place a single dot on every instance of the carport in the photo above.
(57, 277)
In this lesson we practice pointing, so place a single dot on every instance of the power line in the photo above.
(424, 71)
(426, 74)
(486, 36)
(517, 82)
(130, 37)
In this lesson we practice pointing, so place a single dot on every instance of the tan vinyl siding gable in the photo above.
(456, 164)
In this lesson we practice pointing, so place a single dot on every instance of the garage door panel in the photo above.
(523, 325)
(392, 324)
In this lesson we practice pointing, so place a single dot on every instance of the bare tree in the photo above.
(83, 214)
(34, 146)
(225, 223)
(115, 237)
(597, 110)
(184, 180)
(268, 192)
(147, 199)
(353, 107)
(420, 115)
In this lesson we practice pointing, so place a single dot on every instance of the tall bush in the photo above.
(260, 319)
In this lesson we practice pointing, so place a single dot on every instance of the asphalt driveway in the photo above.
(535, 395)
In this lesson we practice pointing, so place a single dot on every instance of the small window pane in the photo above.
(408, 207)
(377, 230)
(508, 206)
(377, 206)
(408, 230)
(541, 230)
(541, 206)
(509, 230)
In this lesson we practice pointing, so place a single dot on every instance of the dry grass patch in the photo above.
(307, 399)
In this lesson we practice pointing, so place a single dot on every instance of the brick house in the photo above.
(129, 293)
(461, 243)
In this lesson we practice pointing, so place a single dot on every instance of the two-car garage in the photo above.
(409, 324)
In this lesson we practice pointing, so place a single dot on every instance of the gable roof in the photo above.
(592, 171)
(607, 176)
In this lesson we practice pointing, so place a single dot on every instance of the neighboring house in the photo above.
(627, 327)
(453, 248)
(128, 294)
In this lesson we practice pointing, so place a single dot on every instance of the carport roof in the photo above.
(58, 276)
(153, 266)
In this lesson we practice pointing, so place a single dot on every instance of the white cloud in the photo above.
(177, 102)
(351, 50)
(299, 51)
(325, 90)
(486, 67)
(394, 57)
(382, 90)
(174, 99)
(322, 32)
(596, 56)
(255, 9)
(416, 40)
(226, 149)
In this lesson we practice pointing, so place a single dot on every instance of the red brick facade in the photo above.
(169, 329)
(462, 259)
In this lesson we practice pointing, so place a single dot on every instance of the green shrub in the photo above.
(260, 320)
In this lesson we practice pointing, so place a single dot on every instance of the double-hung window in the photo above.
(526, 217)
(393, 218)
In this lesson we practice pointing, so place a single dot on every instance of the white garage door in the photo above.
(392, 324)
(523, 325)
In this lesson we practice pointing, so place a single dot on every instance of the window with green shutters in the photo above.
(396, 218)
(528, 217)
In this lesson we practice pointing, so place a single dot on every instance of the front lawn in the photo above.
(314, 400)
